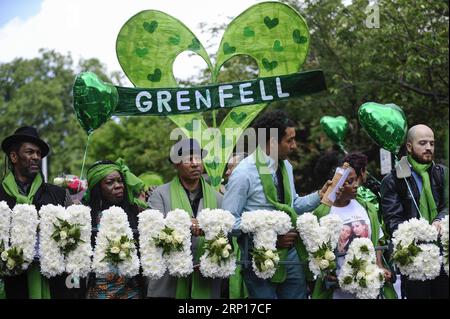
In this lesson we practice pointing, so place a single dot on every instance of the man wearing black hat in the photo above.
(23, 183)
(190, 192)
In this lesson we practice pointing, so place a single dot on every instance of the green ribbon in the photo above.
(237, 288)
(271, 195)
(174, 101)
(133, 183)
(427, 205)
(201, 286)
(38, 287)
(320, 291)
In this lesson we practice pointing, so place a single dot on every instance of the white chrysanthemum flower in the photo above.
(425, 262)
(114, 224)
(265, 226)
(151, 223)
(366, 281)
(24, 223)
(215, 222)
(180, 263)
(315, 236)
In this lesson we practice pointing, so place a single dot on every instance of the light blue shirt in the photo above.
(244, 191)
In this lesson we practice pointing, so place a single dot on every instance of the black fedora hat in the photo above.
(25, 134)
(186, 146)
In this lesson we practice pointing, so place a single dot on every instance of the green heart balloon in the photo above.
(335, 127)
(94, 101)
(385, 123)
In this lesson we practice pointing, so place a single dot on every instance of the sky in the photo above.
(88, 28)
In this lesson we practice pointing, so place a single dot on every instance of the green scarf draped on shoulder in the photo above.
(134, 184)
(38, 287)
(320, 291)
(427, 205)
(201, 287)
(271, 195)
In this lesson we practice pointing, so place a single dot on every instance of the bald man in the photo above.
(427, 183)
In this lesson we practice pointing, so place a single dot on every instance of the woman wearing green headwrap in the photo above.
(359, 220)
(112, 184)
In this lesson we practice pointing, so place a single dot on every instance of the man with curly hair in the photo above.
(264, 180)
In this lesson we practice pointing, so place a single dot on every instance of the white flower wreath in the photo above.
(360, 274)
(151, 223)
(115, 237)
(218, 261)
(320, 241)
(415, 251)
(265, 226)
(17, 243)
(77, 261)
(180, 263)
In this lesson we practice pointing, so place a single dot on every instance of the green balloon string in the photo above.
(84, 158)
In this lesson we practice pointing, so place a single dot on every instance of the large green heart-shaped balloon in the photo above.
(272, 33)
(94, 101)
(335, 127)
(385, 123)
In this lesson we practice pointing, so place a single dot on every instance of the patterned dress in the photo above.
(113, 286)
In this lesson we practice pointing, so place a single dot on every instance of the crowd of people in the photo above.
(248, 187)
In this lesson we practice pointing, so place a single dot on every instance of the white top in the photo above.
(355, 224)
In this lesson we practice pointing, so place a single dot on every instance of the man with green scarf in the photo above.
(190, 192)
(264, 181)
(24, 184)
(429, 200)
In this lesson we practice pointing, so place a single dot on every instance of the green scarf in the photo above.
(201, 286)
(271, 195)
(38, 287)
(237, 288)
(427, 205)
(320, 291)
(133, 183)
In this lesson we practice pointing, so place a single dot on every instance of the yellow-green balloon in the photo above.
(385, 123)
(93, 100)
(335, 127)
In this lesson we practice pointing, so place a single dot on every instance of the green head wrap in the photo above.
(134, 185)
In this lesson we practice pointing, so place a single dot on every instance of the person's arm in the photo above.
(236, 195)
(392, 208)
(387, 273)
(309, 202)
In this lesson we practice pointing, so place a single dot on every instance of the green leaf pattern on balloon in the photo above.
(195, 45)
(277, 46)
(175, 40)
(271, 23)
(228, 49)
(156, 76)
(238, 117)
(248, 32)
(269, 65)
(150, 27)
(254, 32)
(298, 38)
